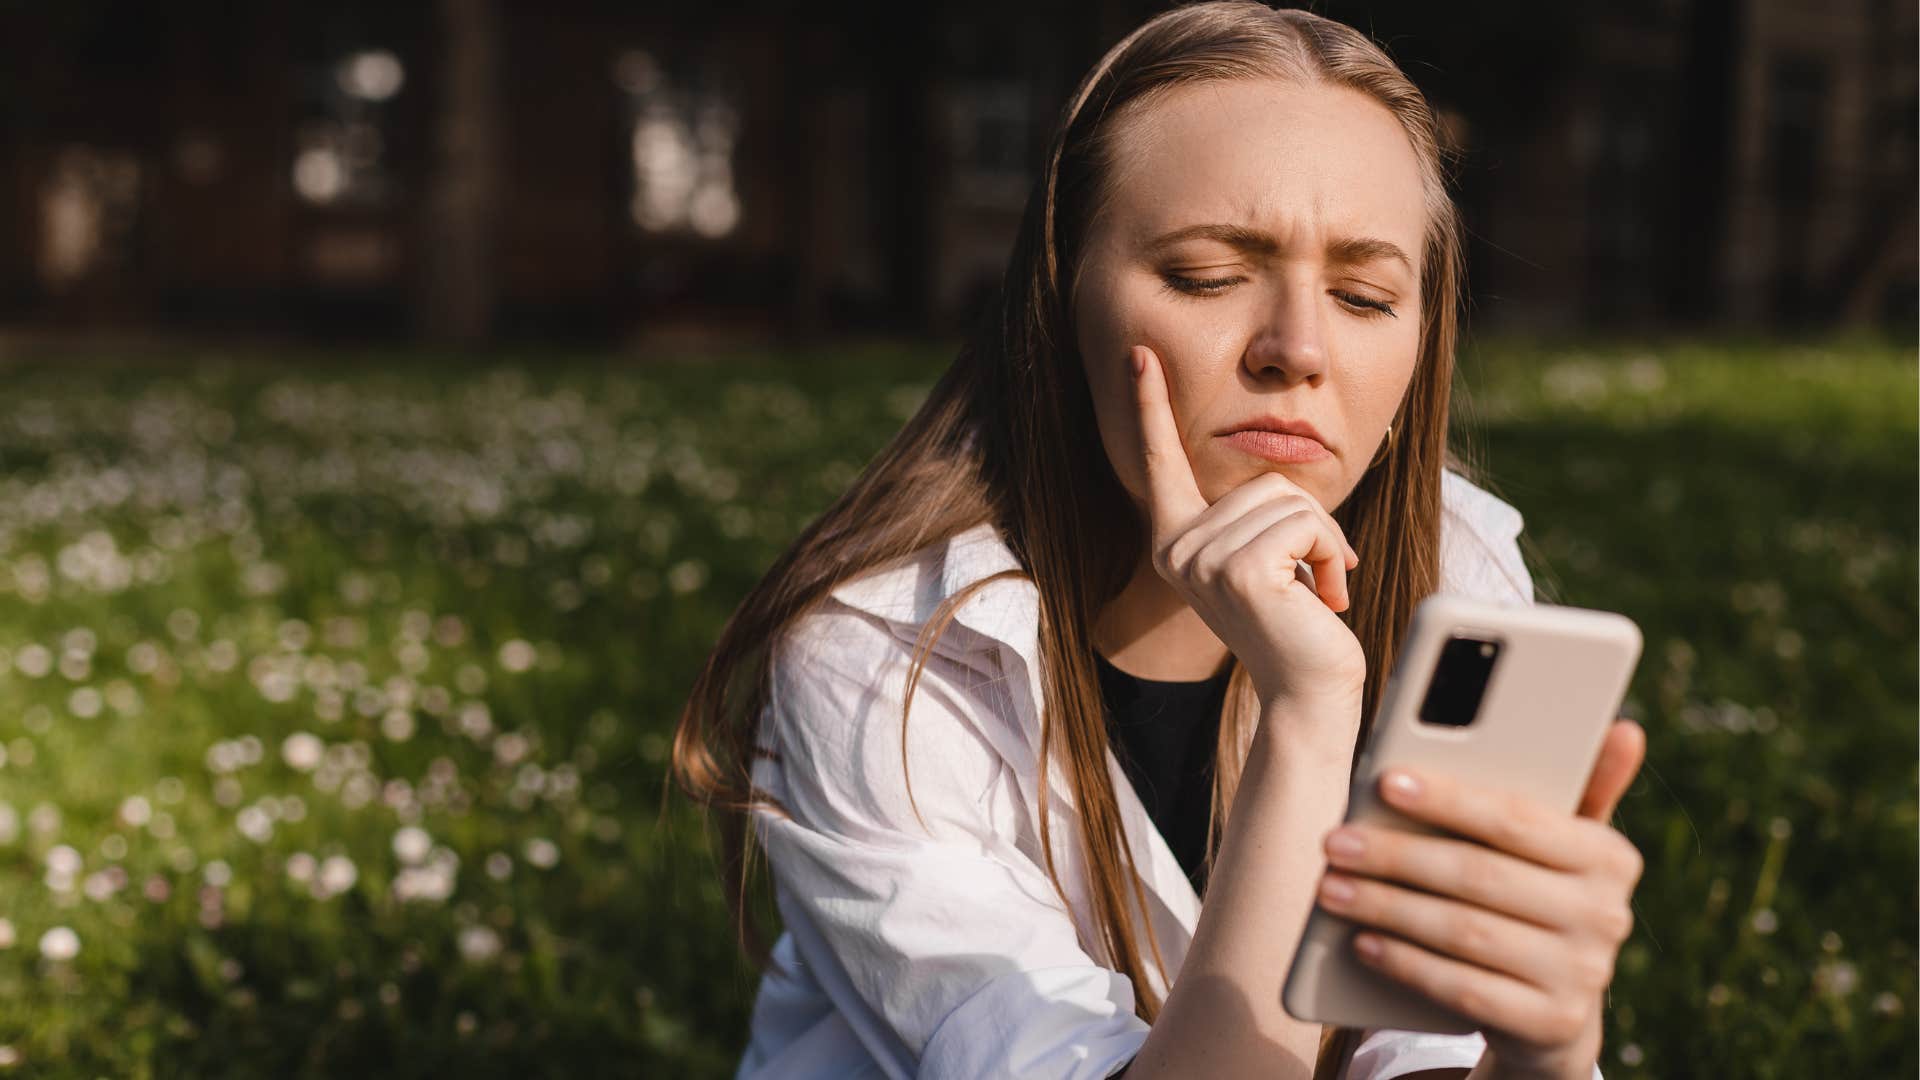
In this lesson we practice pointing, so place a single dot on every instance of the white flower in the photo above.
(135, 810)
(255, 824)
(337, 875)
(102, 884)
(1836, 977)
(44, 818)
(300, 866)
(478, 944)
(475, 720)
(60, 944)
(687, 575)
(302, 751)
(33, 661)
(63, 860)
(411, 844)
(517, 655)
(508, 749)
(433, 881)
(542, 853)
(397, 725)
(85, 703)
(7, 937)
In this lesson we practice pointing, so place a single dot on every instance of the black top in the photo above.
(1164, 734)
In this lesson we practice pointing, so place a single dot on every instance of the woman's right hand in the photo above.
(1237, 562)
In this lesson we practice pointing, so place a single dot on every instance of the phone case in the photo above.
(1553, 691)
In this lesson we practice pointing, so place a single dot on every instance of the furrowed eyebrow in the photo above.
(1346, 249)
(1238, 236)
(1359, 249)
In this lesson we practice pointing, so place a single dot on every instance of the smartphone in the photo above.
(1512, 697)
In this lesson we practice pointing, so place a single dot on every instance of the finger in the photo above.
(1269, 487)
(1467, 932)
(1487, 998)
(1173, 497)
(1237, 534)
(1621, 755)
(1470, 872)
(1506, 820)
(1300, 538)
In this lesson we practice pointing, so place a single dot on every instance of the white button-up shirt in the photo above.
(934, 944)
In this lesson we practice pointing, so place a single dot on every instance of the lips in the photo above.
(1280, 447)
(1279, 425)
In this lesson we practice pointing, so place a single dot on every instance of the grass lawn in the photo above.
(336, 693)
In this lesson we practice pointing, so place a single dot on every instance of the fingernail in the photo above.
(1337, 890)
(1403, 785)
(1367, 945)
(1345, 842)
(1139, 363)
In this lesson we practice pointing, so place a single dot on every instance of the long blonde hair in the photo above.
(1007, 436)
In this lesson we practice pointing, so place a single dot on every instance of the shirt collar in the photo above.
(1002, 618)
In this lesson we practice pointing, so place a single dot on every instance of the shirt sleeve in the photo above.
(953, 942)
(1480, 545)
(1385, 1053)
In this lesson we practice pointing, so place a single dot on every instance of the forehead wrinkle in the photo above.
(1304, 201)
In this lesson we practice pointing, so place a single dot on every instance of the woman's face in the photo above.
(1258, 235)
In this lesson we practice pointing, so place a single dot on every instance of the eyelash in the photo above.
(1186, 286)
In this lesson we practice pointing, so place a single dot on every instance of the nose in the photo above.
(1291, 343)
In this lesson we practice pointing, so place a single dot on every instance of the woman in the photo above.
(937, 709)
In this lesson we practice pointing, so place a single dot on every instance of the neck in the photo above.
(1148, 631)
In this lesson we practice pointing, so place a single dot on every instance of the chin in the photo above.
(1225, 480)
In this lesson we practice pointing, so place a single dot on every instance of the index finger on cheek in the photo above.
(1173, 495)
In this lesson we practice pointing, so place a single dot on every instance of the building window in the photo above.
(89, 203)
(681, 139)
(340, 150)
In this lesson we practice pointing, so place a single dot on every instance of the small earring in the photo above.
(1386, 447)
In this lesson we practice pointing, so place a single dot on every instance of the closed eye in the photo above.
(1368, 303)
(1191, 286)
(1199, 286)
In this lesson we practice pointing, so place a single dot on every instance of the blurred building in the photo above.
(475, 169)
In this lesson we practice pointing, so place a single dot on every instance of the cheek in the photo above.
(1376, 387)
(1374, 393)
(1106, 327)
(1196, 357)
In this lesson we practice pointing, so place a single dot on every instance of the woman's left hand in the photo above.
(1523, 932)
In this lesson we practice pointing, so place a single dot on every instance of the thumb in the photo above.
(1621, 754)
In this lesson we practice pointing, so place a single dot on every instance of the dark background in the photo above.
(308, 431)
(471, 171)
